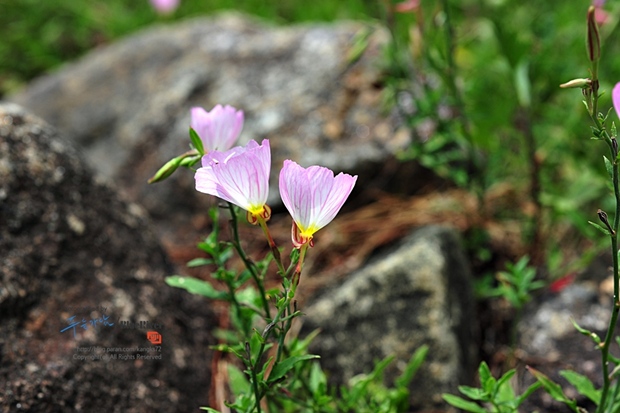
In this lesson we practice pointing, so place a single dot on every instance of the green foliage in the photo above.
(515, 284)
(478, 83)
(41, 35)
(282, 374)
(496, 395)
(555, 390)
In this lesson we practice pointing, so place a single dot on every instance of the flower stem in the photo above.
(272, 244)
(299, 267)
(253, 366)
(246, 261)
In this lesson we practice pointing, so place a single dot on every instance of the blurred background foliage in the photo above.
(477, 81)
(41, 35)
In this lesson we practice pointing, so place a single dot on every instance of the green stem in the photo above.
(450, 78)
(272, 245)
(246, 261)
(614, 396)
(614, 253)
(257, 394)
(614, 314)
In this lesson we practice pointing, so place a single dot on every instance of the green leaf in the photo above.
(507, 376)
(208, 247)
(196, 286)
(504, 391)
(210, 409)
(281, 368)
(196, 141)
(600, 228)
(522, 83)
(474, 393)
(531, 389)
(358, 46)
(462, 404)
(609, 167)
(198, 262)
(583, 385)
(237, 380)
(487, 381)
(554, 389)
(412, 367)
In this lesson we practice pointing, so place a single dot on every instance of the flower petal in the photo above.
(239, 175)
(313, 196)
(219, 128)
(615, 95)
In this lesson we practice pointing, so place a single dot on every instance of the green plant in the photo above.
(496, 395)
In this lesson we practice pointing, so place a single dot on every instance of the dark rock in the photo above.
(413, 294)
(70, 247)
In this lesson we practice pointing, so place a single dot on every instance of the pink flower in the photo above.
(615, 97)
(313, 197)
(165, 6)
(239, 176)
(218, 129)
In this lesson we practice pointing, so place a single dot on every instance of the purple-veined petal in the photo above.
(239, 175)
(313, 196)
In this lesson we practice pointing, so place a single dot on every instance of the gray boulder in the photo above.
(127, 105)
(415, 293)
(549, 342)
(80, 271)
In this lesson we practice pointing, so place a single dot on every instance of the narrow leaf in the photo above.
(474, 393)
(412, 367)
(600, 228)
(487, 381)
(281, 368)
(197, 262)
(196, 286)
(554, 389)
(196, 141)
(583, 385)
(462, 404)
(609, 167)
(533, 387)
(237, 380)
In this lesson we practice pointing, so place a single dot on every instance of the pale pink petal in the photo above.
(341, 188)
(165, 6)
(615, 96)
(313, 196)
(219, 128)
(239, 175)
(294, 191)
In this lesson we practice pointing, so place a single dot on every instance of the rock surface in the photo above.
(73, 252)
(413, 294)
(550, 343)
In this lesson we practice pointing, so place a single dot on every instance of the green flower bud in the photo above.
(593, 39)
(576, 83)
(189, 158)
